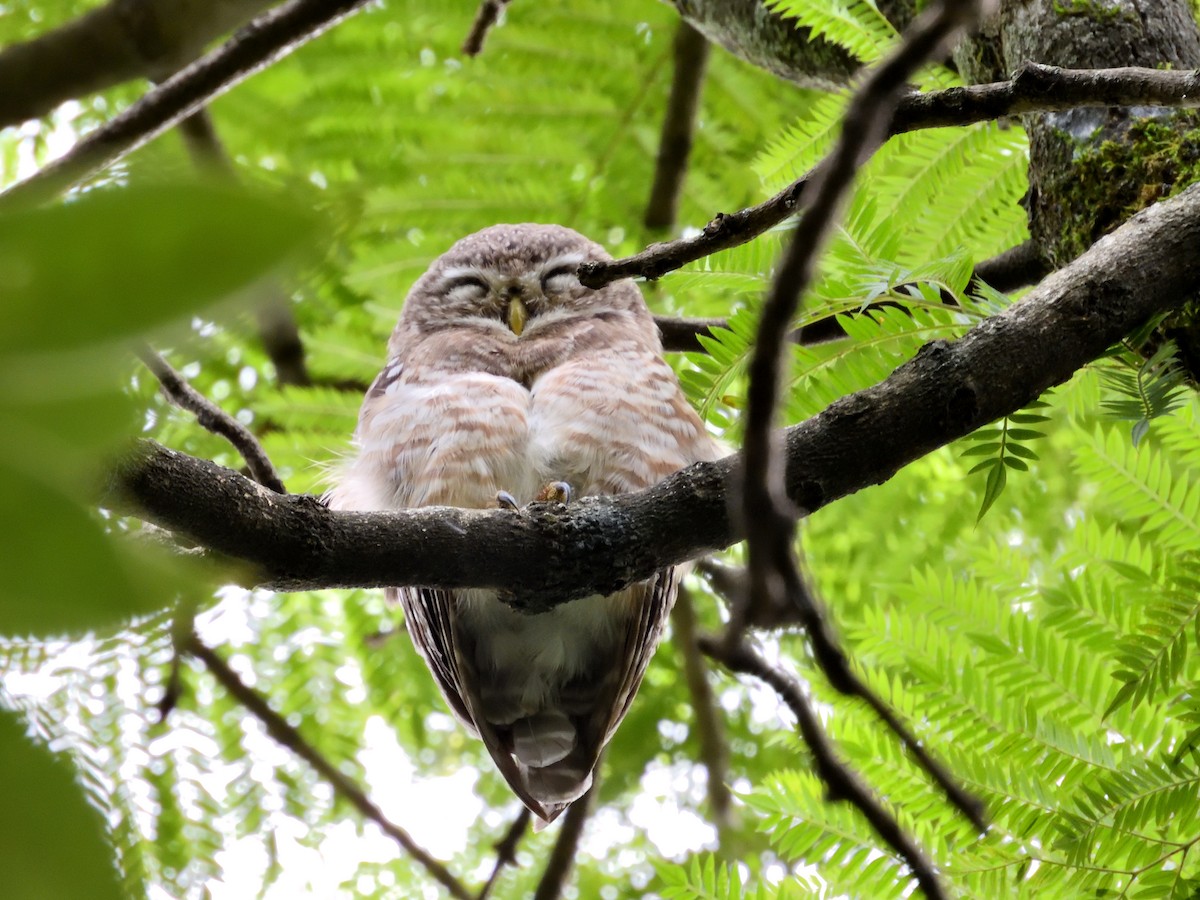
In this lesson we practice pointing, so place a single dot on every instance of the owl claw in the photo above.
(555, 492)
(505, 500)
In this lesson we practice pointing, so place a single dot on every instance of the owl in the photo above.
(508, 382)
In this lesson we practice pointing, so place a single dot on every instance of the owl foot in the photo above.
(554, 492)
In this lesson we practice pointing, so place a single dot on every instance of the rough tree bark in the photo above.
(1090, 170)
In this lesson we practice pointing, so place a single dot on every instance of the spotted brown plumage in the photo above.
(504, 374)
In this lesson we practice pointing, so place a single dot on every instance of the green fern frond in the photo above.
(857, 25)
(1154, 657)
(1140, 485)
(1006, 447)
(1146, 388)
(803, 145)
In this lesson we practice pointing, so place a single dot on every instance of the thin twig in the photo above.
(1015, 268)
(679, 123)
(710, 725)
(279, 729)
(562, 857)
(183, 626)
(265, 40)
(841, 782)
(487, 16)
(506, 851)
(767, 514)
(1034, 89)
(730, 583)
(214, 419)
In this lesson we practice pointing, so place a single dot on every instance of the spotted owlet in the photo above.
(508, 381)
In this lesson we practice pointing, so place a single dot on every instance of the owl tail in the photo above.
(544, 760)
(554, 766)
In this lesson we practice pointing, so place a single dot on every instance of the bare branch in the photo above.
(267, 39)
(212, 418)
(675, 144)
(1016, 267)
(562, 857)
(544, 556)
(710, 725)
(1034, 89)
(110, 44)
(506, 851)
(768, 516)
(841, 782)
(487, 16)
(279, 729)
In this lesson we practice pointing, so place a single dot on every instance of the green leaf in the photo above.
(996, 480)
(53, 846)
(115, 262)
(62, 573)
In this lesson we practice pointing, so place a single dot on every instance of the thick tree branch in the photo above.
(212, 418)
(679, 122)
(267, 39)
(1035, 88)
(545, 555)
(279, 729)
(110, 44)
(1016, 267)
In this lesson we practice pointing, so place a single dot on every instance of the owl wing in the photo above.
(427, 614)
(431, 626)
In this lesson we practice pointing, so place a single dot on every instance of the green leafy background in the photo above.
(1028, 600)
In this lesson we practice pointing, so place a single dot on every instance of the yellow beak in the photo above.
(517, 314)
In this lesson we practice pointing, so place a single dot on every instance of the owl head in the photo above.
(514, 280)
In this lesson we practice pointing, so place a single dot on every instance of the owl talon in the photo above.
(555, 492)
(505, 500)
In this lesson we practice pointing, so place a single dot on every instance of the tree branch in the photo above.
(562, 857)
(675, 143)
(214, 419)
(108, 45)
(485, 17)
(267, 39)
(767, 514)
(1016, 267)
(545, 555)
(841, 782)
(1034, 89)
(709, 725)
(278, 728)
(506, 851)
